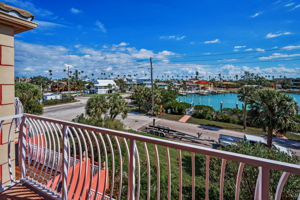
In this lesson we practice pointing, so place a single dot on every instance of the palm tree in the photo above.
(117, 106)
(96, 107)
(50, 74)
(275, 111)
(197, 74)
(244, 95)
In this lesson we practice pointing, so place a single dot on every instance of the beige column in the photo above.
(9, 26)
(6, 96)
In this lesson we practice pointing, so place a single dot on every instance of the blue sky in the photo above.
(211, 37)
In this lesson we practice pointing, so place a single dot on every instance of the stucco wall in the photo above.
(7, 95)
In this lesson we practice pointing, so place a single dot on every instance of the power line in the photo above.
(242, 62)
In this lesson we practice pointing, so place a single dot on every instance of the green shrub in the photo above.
(203, 108)
(290, 191)
(29, 95)
(100, 122)
(204, 112)
(225, 118)
(200, 115)
(59, 101)
(177, 108)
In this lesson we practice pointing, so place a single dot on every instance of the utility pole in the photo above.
(68, 79)
(152, 90)
(68, 74)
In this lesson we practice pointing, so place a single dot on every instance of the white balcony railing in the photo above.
(76, 161)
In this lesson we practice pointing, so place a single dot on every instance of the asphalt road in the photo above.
(66, 111)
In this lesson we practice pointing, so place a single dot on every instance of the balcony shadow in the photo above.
(211, 128)
(287, 143)
(21, 192)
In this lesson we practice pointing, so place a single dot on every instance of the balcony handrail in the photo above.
(62, 134)
(252, 160)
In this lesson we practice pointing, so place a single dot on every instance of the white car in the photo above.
(261, 140)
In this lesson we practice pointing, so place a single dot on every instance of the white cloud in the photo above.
(239, 47)
(100, 26)
(249, 49)
(259, 50)
(35, 59)
(297, 6)
(278, 55)
(278, 34)
(229, 69)
(291, 47)
(46, 24)
(172, 37)
(108, 69)
(228, 60)
(122, 44)
(256, 14)
(30, 69)
(116, 58)
(289, 4)
(75, 11)
(212, 41)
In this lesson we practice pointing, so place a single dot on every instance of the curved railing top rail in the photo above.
(272, 164)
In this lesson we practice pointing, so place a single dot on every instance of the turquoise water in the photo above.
(229, 100)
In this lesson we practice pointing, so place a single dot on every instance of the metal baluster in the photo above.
(22, 150)
(238, 181)
(99, 164)
(148, 172)
(106, 165)
(207, 162)
(223, 165)
(138, 173)
(284, 177)
(180, 174)
(121, 167)
(193, 176)
(131, 181)
(65, 164)
(157, 172)
(169, 172)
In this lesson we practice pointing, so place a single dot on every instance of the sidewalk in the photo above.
(185, 118)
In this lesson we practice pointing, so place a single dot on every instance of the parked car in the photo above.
(225, 140)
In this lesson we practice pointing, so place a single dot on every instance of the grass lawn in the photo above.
(92, 95)
(223, 125)
(170, 116)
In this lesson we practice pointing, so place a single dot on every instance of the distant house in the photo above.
(162, 85)
(195, 85)
(130, 82)
(104, 87)
(51, 96)
(205, 85)
(288, 83)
